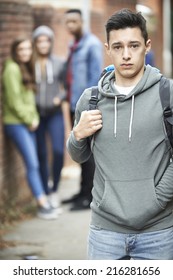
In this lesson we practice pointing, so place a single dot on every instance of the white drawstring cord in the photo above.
(115, 117)
(131, 118)
(49, 69)
(49, 72)
(37, 72)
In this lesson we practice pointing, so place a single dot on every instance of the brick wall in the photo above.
(15, 19)
(100, 11)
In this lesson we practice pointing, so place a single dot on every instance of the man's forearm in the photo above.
(79, 150)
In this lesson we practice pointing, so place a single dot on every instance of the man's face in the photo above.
(127, 50)
(74, 23)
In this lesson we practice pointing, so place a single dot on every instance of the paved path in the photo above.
(61, 239)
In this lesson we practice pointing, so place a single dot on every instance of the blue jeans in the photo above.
(53, 127)
(109, 245)
(26, 145)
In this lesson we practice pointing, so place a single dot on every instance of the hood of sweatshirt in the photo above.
(44, 30)
(106, 88)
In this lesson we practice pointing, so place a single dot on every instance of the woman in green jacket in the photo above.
(21, 119)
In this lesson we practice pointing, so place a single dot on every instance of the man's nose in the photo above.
(126, 53)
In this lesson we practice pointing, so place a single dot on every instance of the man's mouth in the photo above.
(126, 65)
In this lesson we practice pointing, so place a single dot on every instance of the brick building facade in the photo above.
(18, 16)
(15, 18)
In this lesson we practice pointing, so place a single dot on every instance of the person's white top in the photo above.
(124, 90)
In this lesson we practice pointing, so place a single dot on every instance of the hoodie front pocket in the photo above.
(130, 203)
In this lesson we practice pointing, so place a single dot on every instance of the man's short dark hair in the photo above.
(126, 18)
(70, 11)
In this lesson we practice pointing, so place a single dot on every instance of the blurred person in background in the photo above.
(149, 58)
(21, 119)
(84, 65)
(51, 105)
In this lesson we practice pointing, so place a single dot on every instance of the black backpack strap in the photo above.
(164, 92)
(94, 98)
(94, 94)
(92, 106)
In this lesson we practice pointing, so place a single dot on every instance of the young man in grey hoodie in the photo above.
(132, 206)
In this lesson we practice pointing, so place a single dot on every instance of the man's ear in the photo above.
(107, 48)
(148, 45)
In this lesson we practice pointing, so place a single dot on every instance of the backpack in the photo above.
(164, 92)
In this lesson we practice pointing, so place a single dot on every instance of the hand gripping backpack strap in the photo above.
(92, 106)
(164, 92)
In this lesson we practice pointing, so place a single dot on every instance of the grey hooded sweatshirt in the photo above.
(133, 182)
(49, 85)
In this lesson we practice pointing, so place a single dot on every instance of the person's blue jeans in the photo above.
(26, 145)
(109, 245)
(52, 127)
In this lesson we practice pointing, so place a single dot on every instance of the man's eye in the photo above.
(117, 47)
(134, 46)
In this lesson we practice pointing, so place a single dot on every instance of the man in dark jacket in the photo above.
(84, 65)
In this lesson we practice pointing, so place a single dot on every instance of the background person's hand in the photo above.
(56, 101)
(34, 125)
